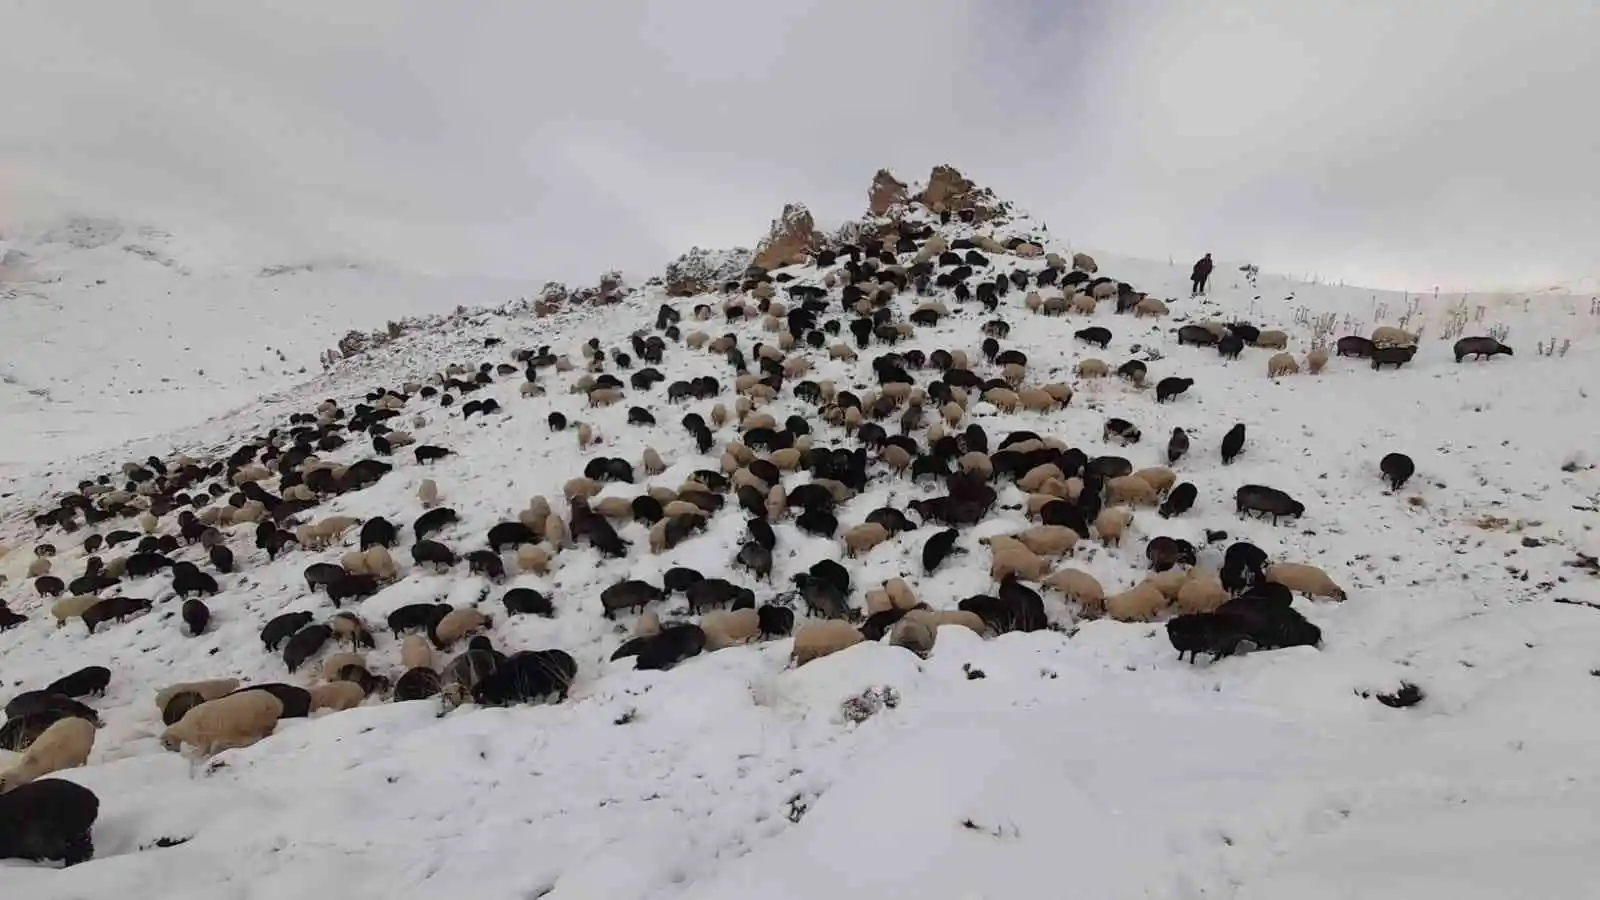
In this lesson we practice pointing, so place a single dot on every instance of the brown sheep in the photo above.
(900, 593)
(1149, 306)
(817, 639)
(1272, 340)
(337, 696)
(1003, 400)
(1169, 583)
(896, 457)
(619, 508)
(415, 652)
(1013, 373)
(1093, 368)
(1131, 490)
(428, 493)
(457, 624)
(1080, 587)
(952, 413)
(1158, 477)
(961, 617)
(586, 434)
(916, 635)
(728, 628)
(1016, 559)
(533, 559)
(1389, 336)
(1061, 392)
(862, 538)
(1305, 579)
(1033, 302)
(651, 462)
(555, 531)
(1282, 364)
(226, 723)
(1036, 400)
(1317, 360)
(1138, 604)
(1082, 303)
(1038, 475)
(1202, 592)
(208, 690)
(64, 745)
(529, 389)
(842, 351)
(1111, 523)
(777, 502)
(787, 459)
(976, 462)
(580, 487)
(878, 600)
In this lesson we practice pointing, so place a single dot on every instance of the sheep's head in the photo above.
(170, 741)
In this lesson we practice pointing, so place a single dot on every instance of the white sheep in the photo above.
(914, 634)
(337, 695)
(210, 689)
(814, 640)
(730, 627)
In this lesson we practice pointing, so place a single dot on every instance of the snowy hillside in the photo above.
(1079, 760)
(113, 332)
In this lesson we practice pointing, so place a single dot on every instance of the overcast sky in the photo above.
(1395, 144)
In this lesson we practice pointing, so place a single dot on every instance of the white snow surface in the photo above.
(1085, 762)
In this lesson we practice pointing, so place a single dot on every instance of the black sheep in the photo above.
(1179, 500)
(1121, 430)
(178, 705)
(377, 532)
(419, 683)
(713, 592)
(296, 700)
(1243, 564)
(939, 547)
(18, 734)
(411, 617)
(558, 422)
(671, 645)
(1392, 356)
(188, 579)
(221, 558)
(1195, 633)
(1481, 347)
(1232, 443)
(1177, 445)
(527, 675)
(432, 553)
(819, 522)
(49, 819)
(118, 608)
(352, 587)
(1165, 552)
(1133, 370)
(1269, 624)
(1167, 388)
(755, 557)
(1094, 335)
(1397, 469)
(30, 702)
(775, 621)
(629, 594)
(196, 615)
(428, 453)
(486, 563)
(761, 532)
(322, 574)
(679, 579)
(647, 509)
(875, 626)
(433, 520)
(528, 601)
(143, 565)
(1354, 345)
(305, 644)
(281, 627)
(1257, 498)
(823, 596)
(1198, 335)
(1230, 346)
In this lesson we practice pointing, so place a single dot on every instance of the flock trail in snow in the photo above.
(893, 722)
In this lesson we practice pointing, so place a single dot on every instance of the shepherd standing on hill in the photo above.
(1198, 277)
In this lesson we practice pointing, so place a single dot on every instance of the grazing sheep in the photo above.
(337, 696)
(533, 559)
(1131, 490)
(1392, 356)
(49, 819)
(1354, 345)
(814, 640)
(1282, 364)
(1141, 603)
(1049, 540)
(1169, 582)
(304, 644)
(1012, 557)
(1162, 479)
(1201, 592)
(862, 538)
(64, 745)
(914, 634)
(1305, 579)
(1317, 360)
(207, 690)
(1149, 306)
(1268, 501)
(1093, 368)
(727, 628)
(900, 595)
(1110, 524)
(428, 493)
(1397, 469)
(1179, 501)
(72, 607)
(237, 720)
(1232, 443)
(1480, 347)
(455, 625)
(936, 618)
(337, 661)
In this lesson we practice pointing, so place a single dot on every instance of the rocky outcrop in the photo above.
(950, 191)
(703, 271)
(790, 241)
(886, 193)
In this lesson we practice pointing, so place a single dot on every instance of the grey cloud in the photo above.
(1436, 141)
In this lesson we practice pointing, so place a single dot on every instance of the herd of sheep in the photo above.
(914, 415)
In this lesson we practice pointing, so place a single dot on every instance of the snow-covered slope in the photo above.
(1080, 762)
(111, 334)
